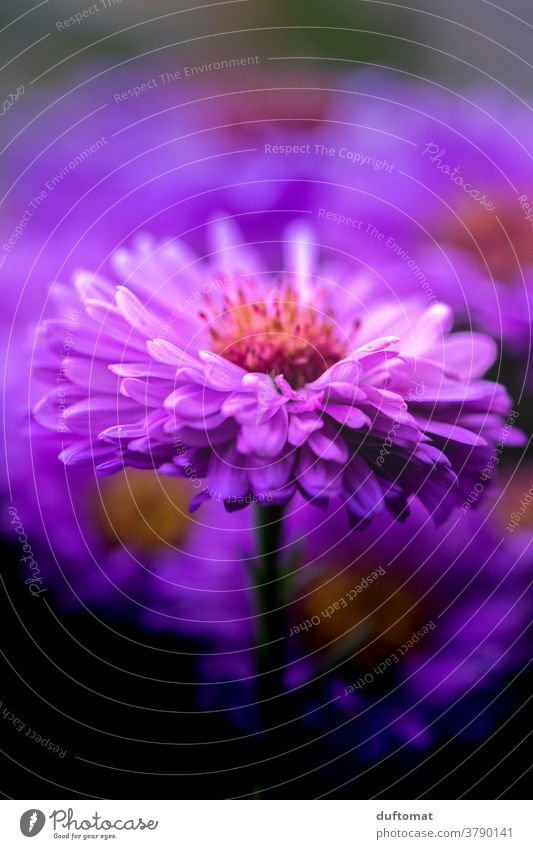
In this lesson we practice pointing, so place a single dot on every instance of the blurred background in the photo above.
(123, 700)
(450, 42)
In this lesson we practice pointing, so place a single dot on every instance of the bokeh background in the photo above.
(125, 699)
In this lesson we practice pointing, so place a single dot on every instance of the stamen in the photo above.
(281, 335)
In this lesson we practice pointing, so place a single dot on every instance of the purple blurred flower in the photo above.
(395, 636)
(257, 383)
(434, 622)
(455, 193)
(91, 166)
(101, 544)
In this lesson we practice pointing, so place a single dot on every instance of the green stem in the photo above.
(271, 617)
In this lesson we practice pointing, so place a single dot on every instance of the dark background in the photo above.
(75, 681)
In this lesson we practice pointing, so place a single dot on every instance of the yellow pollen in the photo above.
(502, 248)
(281, 336)
(375, 622)
(138, 508)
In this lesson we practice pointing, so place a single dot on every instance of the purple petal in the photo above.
(450, 431)
(265, 440)
(429, 331)
(272, 475)
(149, 393)
(226, 475)
(166, 352)
(93, 286)
(318, 478)
(364, 496)
(193, 402)
(301, 425)
(469, 355)
(348, 416)
(329, 444)
(93, 414)
(137, 314)
(86, 453)
(220, 373)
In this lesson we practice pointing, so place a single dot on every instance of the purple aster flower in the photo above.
(257, 383)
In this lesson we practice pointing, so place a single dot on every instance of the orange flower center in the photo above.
(280, 335)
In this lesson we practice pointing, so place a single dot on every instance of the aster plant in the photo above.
(258, 384)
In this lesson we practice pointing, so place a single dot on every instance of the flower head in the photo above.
(258, 383)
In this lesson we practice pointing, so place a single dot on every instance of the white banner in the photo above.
(263, 824)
